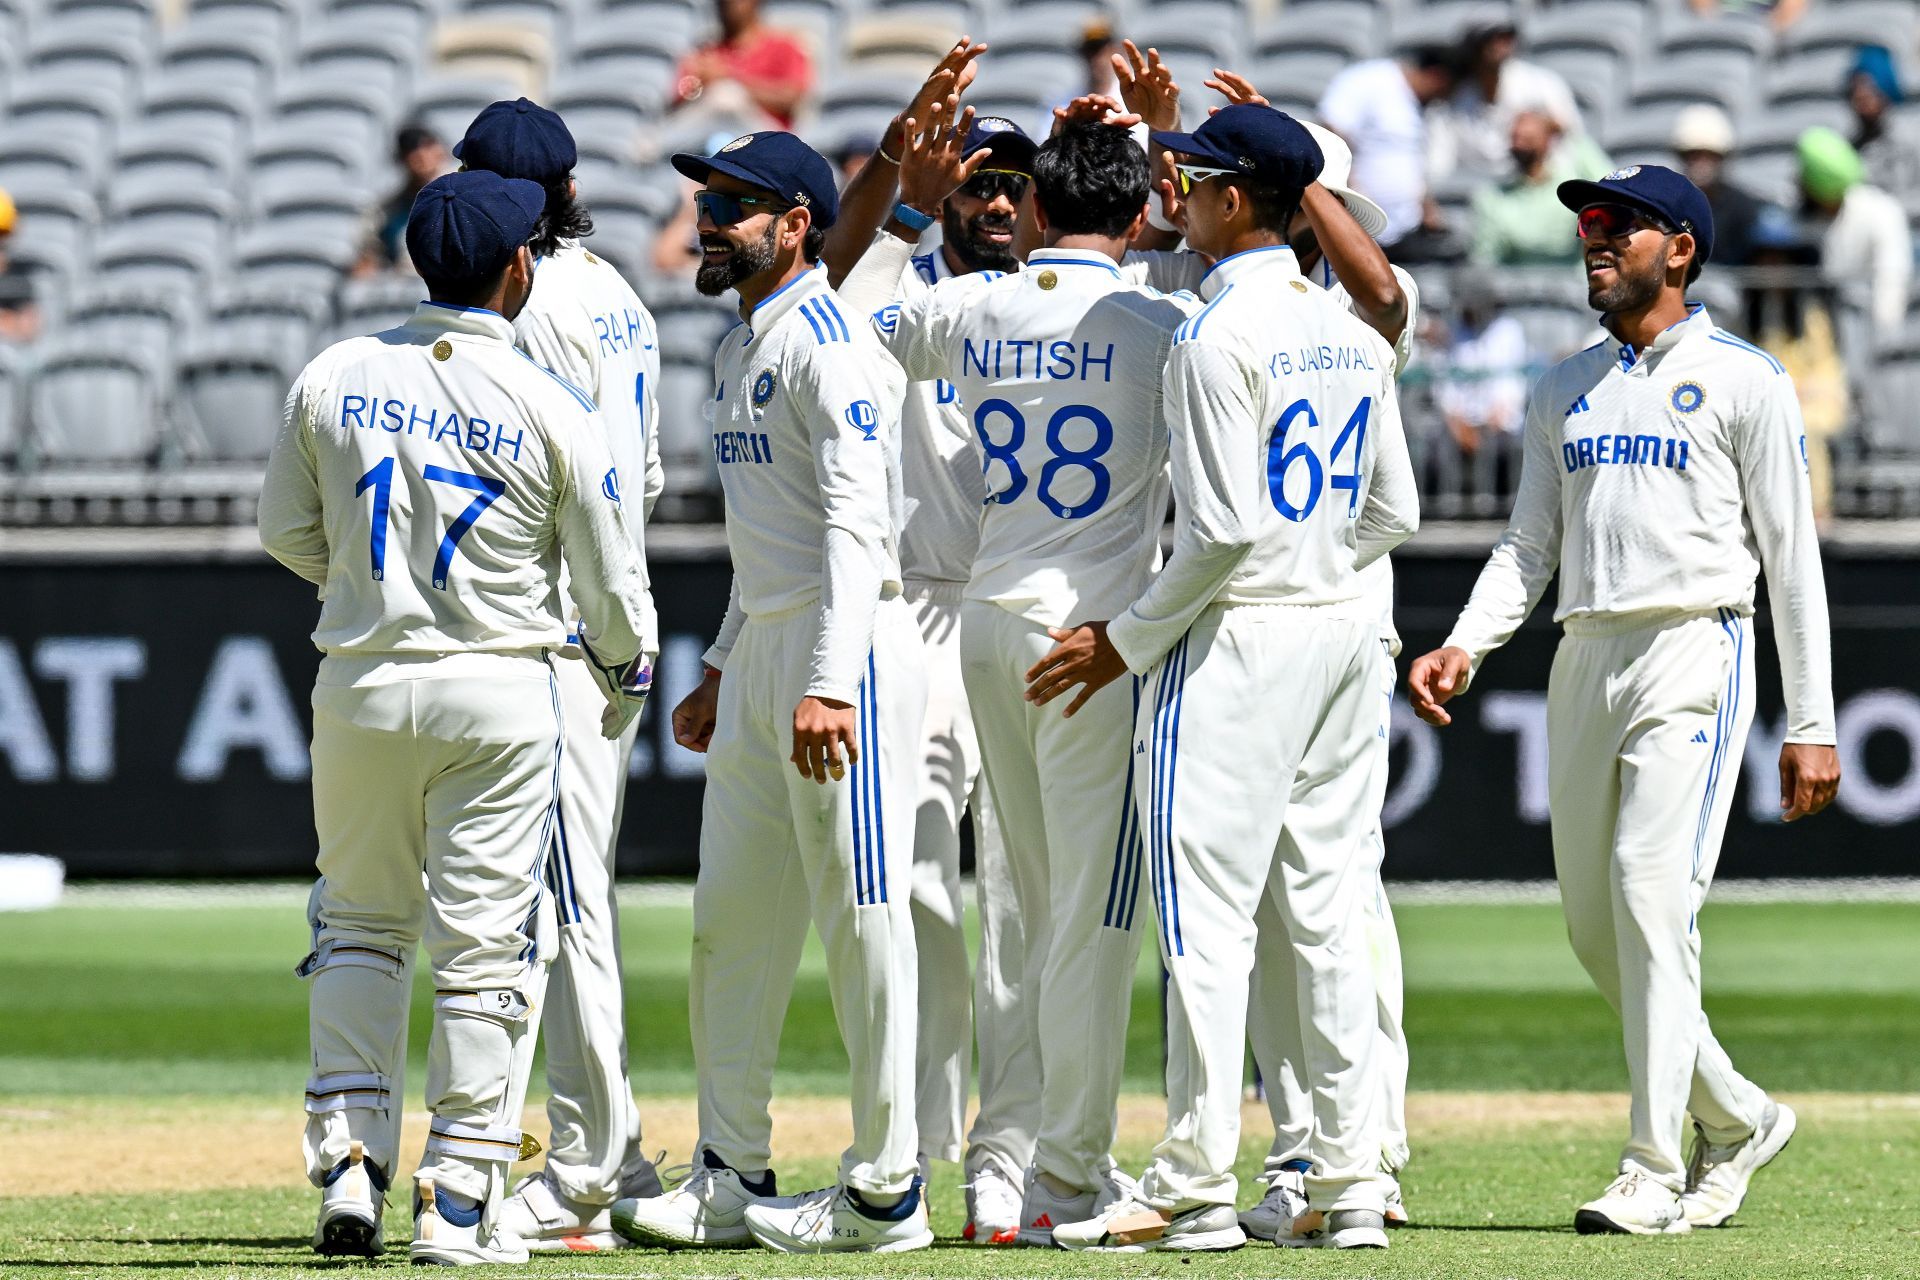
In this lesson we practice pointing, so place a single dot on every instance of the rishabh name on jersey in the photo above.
(441, 455)
(584, 322)
(805, 416)
(1058, 367)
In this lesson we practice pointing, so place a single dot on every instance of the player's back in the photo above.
(1322, 384)
(440, 455)
(584, 322)
(1058, 367)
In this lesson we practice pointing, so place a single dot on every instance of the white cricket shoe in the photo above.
(708, 1210)
(446, 1235)
(1355, 1229)
(1041, 1209)
(994, 1198)
(1635, 1205)
(550, 1221)
(1133, 1226)
(1283, 1205)
(836, 1220)
(1717, 1176)
(1396, 1214)
(352, 1200)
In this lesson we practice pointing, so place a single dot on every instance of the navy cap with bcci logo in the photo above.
(519, 139)
(1012, 149)
(776, 162)
(1270, 147)
(1653, 189)
(465, 227)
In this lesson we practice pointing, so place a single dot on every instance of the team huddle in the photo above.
(946, 475)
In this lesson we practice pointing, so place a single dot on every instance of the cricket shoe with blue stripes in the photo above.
(1132, 1225)
(706, 1211)
(839, 1220)
(450, 1233)
(1634, 1205)
(1282, 1215)
(353, 1198)
(1718, 1174)
(550, 1221)
(1042, 1208)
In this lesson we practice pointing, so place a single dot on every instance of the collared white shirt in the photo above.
(1290, 470)
(432, 480)
(806, 437)
(1660, 482)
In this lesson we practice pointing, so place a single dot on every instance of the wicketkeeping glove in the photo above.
(624, 687)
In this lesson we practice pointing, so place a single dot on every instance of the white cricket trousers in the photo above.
(1063, 790)
(593, 1119)
(1278, 801)
(433, 799)
(1273, 1015)
(950, 989)
(778, 850)
(1646, 722)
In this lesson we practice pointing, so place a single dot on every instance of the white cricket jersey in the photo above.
(430, 479)
(1290, 468)
(806, 435)
(1058, 369)
(585, 323)
(940, 472)
(1660, 482)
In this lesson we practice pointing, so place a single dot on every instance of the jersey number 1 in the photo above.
(380, 479)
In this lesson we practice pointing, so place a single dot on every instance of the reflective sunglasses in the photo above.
(723, 210)
(986, 184)
(1612, 221)
(1193, 174)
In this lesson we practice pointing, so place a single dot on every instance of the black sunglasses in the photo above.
(723, 210)
(988, 183)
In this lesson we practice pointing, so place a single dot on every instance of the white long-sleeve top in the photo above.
(806, 435)
(1058, 367)
(584, 322)
(431, 480)
(1660, 482)
(1290, 469)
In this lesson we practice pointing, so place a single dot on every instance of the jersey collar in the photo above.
(784, 299)
(444, 317)
(1072, 258)
(1696, 322)
(1275, 258)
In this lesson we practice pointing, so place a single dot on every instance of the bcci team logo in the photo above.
(1687, 397)
(863, 417)
(610, 484)
(1621, 175)
(737, 143)
(763, 389)
(993, 124)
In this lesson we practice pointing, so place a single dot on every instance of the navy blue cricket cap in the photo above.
(1653, 189)
(1012, 149)
(519, 139)
(1270, 147)
(465, 226)
(777, 162)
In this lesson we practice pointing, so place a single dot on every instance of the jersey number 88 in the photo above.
(1064, 456)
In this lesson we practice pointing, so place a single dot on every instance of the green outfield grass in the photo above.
(145, 1011)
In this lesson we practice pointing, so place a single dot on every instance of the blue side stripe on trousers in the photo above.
(872, 754)
(1155, 770)
(1122, 887)
(1166, 760)
(858, 799)
(1173, 767)
(1723, 722)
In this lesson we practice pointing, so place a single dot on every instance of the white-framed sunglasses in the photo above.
(1192, 173)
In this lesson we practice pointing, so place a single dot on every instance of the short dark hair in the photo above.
(410, 137)
(1435, 57)
(815, 244)
(564, 218)
(466, 291)
(1092, 179)
(1273, 208)
(1693, 269)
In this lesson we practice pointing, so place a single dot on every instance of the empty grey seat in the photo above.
(1298, 78)
(229, 393)
(333, 217)
(299, 262)
(377, 302)
(294, 156)
(686, 431)
(1818, 76)
(690, 323)
(91, 403)
(51, 103)
(189, 106)
(43, 153)
(1330, 28)
(56, 214)
(111, 18)
(1044, 77)
(366, 50)
(603, 50)
(1442, 22)
(1894, 23)
(448, 104)
(12, 393)
(153, 155)
(75, 50)
(671, 20)
(1684, 36)
(605, 106)
(187, 213)
(1215, 34)
(134, 257)
(1890, 425)
(1050, 26)
(328, 107)
(867, 91)
(273, 17)
(1725, 79)
(290, 319)
(1607, 30)
(223, 55)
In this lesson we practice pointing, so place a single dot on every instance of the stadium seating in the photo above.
(193, 177)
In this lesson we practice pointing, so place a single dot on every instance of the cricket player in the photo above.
(1058, 365)
(430, 481)
(1290, 472)
(585, 324)
(1663, 469)
(944, 489)
(810, 714)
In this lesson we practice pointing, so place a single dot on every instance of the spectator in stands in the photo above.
(751, 70)
(1098, 48)
(1482, 392)
(1889, 145)
(1780, 13)
(1703, 138)
(1866, 243)
(1495, 88)
(1520, 221)
(19, 307)
(1379, 107)
(422, 156)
